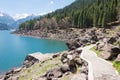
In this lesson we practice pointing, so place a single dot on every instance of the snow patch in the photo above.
(20, 16)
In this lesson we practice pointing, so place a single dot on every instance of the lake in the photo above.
(13, 49)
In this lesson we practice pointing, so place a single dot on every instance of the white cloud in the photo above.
(1, 14)
(41, 14)
(20, 16)
(51, 2)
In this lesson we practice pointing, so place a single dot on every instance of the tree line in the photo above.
(79, 14)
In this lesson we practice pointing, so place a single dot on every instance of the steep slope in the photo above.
(80, 14)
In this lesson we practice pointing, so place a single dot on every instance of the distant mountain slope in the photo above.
(5, 26)
(18, 22)
(80, 14)
(6, 19)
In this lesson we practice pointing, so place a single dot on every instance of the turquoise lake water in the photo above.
(13, 49)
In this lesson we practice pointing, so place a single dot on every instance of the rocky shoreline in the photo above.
(63, 35)
(70, 35)
(67, 63)
(74, 38)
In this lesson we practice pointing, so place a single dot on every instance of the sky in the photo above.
(25, 7)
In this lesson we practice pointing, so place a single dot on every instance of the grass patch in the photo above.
(116, 43)
(98, 52)
(39, 69)
(117, 66)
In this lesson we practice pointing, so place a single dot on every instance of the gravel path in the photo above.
(100, 68)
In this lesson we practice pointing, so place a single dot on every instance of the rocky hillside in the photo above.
(66, 65)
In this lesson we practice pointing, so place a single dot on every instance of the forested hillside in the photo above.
(79, 14)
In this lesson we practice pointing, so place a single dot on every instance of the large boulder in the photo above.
(35, 58)
(112, 40)
(106, 55)
(72, 66)
(78, 61)
(54, 73)
(110, 52)
(65, 68)
(72, 45)
(29, 61)
(64, 58)
(106, 52)
(100, 45)
(115, 51)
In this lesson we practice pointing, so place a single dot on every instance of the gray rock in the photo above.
(78, 61)
(65, 68)
(84, 70)
(64, 57)
(29, 61)
(115, 51)
(56, 55)
(110, 53)
(118, 58)
(106, 55)
(72, 66)
(35, 58)
(54, 73)
(112, 40)
(100, 45)
(64, 61)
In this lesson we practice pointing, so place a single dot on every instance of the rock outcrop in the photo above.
(35, 58)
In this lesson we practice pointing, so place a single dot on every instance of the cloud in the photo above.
(51, 2)
(41, 14)
(20, 16)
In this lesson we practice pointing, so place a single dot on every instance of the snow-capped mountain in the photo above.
(22, 20)
(6, 19)
(20, 16)
(14, 22)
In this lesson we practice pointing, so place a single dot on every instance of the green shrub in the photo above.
(116, 64)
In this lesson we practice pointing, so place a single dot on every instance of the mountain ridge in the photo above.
(8, 21)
